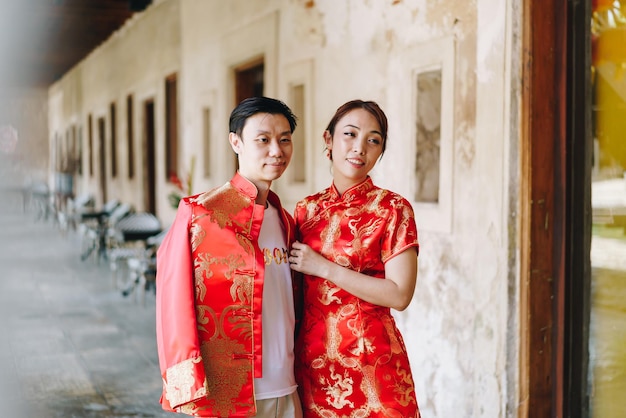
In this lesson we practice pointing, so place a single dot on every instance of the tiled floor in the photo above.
(71, 345)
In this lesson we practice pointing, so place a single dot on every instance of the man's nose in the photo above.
(275, 148)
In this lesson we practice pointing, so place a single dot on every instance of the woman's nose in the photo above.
(358, 147)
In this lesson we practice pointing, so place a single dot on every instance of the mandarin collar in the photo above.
(248, 188)
(241, 183)
(354, 191)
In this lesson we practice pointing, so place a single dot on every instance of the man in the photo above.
(225, 297)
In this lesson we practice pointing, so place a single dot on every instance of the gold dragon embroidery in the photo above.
(339, 389)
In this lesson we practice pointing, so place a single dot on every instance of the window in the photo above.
(428, 76)
(428, 137)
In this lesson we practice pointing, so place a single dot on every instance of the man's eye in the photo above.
(286, 140)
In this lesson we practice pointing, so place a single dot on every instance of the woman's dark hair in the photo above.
(253, 105)
(369, 106)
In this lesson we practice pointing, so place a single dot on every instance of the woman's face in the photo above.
(355, 146)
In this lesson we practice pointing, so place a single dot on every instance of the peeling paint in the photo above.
(465, 149)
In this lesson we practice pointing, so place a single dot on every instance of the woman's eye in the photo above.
(375, 141)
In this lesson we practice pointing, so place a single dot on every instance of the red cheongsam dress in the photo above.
(351, 360)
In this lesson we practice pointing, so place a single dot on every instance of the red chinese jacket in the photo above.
(210, 273)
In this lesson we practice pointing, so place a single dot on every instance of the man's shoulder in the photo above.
(222, 197)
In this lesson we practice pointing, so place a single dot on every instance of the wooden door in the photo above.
(149, 161)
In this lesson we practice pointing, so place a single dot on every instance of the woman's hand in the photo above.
(395, 290)
(304, 260)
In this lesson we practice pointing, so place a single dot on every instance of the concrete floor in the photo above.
(71, 345)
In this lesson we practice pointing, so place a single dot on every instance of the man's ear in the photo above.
(235, 142)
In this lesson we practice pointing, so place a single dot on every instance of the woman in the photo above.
(358, 251)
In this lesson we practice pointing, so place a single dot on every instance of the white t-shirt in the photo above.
(278, 312)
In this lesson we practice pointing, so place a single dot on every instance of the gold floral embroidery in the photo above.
(203, 269)
(197, 235)
(231, 203)
(245, 244)
(310, 209)
(205, 315)
(188, 408)
(179, 379)
(368, 386)
(242, 288)
(330, 234)
(333, 337)
(394, 345)
(225, 374)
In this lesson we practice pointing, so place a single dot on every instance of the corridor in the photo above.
(71, 345)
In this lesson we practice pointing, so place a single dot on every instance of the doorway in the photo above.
(102, 159)
(249, 80)
(555, 211)
(573, 353)
(248, 83)
(149, 158)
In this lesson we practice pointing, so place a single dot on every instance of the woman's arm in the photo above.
(394, 291)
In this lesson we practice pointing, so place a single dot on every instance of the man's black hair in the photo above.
(253, 105)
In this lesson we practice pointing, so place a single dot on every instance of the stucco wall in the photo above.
(456, 328)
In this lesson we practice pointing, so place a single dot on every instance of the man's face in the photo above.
(264, 148)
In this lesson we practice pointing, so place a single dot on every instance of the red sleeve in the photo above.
(178, 345)
(401, 231)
